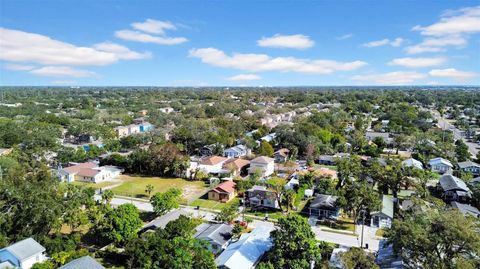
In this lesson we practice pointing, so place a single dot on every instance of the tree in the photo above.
(277, 186)
(461, 151)
(294, 244)
(148, 189)
(229, 212)
(107, 196)
(265, 149)
(44, 265)
(436, 238)
(348, 168)
(237, 231)
(357, 258)
(122, 223)
(163, 202)
(356, 196)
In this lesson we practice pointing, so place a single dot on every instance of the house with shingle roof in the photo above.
(384, 217)
(23, 254)
(223, 192)
(262, 164)
(281, 155)
(454, 189)
(440, 165)
(87, 172)
(218, 235)
(85, 262)
(238, 167)
(413, 163)
(236, 151)
(466, 209)
(470, 167)
(324, 206)
(213, 165)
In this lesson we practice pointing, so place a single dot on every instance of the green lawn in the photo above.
(343, 224)
(210, 204)
(333, 167)
(95, 185)
(135, 186)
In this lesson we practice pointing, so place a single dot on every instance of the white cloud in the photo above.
(454, 22)
(61, 71)
(244, 77)
(392, 78)
(18, 67)
(286, 41)
(154, 26)
(345, 36)
(263, 62)
(146, 38)
(453, 74)
(122, 52)
(437, 44)
(19, 46)
(417, 62)
(151, 31)
(397, 42)
(452, 30)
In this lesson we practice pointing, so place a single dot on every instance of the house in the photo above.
(166, 110)
(207, 150)
(335, 261)
(260, 196)
(218, 235)
(387, 258)
(213, 165)
(454, 189)
(470, 167)
(247, 251)
(85, 262)
(387, 137)
(264, 165)
(324, 206)
(23, 254)
(236, 151)
(162, 221)
(383, 218)
(413, 163)
(238, 167)
(466, 209)
(281, 155)
(88, 172)
(440, 165)
(140, 126)
(223, 192)
(330, 159)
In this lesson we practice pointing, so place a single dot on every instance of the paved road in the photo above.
(336, 238)
(457, 134)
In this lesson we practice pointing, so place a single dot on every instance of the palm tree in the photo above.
(149, 188)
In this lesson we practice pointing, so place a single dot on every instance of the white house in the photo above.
(263, 164)
(247, 251)
(23, 254)
(236, 151)
(440, 165)
(213, 165)
(384, 217)
(413, 163)
(88, 172)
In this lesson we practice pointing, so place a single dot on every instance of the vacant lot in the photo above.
(135, 186)
(203, 202)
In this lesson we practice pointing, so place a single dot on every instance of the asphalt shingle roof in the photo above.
(25, 249)
(218, 233)
(449, 182)
(85, 262)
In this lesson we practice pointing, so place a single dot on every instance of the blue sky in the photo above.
(215, 43)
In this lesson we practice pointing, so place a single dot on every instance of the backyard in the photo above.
(134, 186)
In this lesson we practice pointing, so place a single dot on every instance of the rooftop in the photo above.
(263, 159)
(25, 249)
(213, 160)
(85, 262)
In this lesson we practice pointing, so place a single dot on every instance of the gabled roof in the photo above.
(237, 148)
(412, 163)
(466, 164)
(83, 169)
(25, 249)
(449, 182)
(225, 187)
(282, 152)
(236, 163)
(263, 160)
(213, 160)
(324, 201)
(217, 233)
(85, 262)
(440, 160)
(466, 209)
(387, 258)
(247, 251)
(162, 221)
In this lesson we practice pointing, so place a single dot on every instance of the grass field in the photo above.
(95, 185)
(135, 186)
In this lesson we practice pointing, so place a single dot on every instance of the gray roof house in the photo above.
(384, 217)
(387, 258)
(23, 254)
(454, 189)
(387, 137)
(413, 163)
(324, 206)
(162, 221)
(260, 196)
(85, 262)
(440, 165)
(236, 151)
(218, 235)
(470, 167)
(466, 209)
